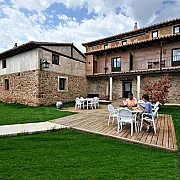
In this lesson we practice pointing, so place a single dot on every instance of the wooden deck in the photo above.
(95, 121)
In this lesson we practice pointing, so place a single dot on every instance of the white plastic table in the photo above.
(87, 100)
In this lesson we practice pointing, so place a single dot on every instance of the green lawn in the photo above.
(175, 112)
(17, 113)
(70, 154)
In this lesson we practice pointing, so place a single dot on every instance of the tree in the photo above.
(157, 89)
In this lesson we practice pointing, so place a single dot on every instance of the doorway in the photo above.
(131, 62)
(127, 88)
(94, 67)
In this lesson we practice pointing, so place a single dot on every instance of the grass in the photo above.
(69, 104)
(19, 114)
(70, 154)
(174, 111)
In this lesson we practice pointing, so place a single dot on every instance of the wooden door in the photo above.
(127, 88)
(94, 66)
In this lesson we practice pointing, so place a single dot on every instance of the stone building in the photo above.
(117, 64)
(25, 78)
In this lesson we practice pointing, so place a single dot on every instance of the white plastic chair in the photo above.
(90, 102)
(155, 106)
(150, 119)
(126, 116)
(124, 102)
(141, 103)
(78, 103)
(96, 102)
(112, 113)
(82, 101)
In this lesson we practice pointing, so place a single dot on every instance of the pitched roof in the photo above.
(174, 36)
(154, 26)
(32, 45)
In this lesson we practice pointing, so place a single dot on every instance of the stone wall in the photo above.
(174, 93)
(22, 87)
(101, 86)
(36, 88)
(98, 86)
(48, 88)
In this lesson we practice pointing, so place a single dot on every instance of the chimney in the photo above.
(135, 27)
(15, 45)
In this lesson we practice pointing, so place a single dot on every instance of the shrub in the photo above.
(157, 89)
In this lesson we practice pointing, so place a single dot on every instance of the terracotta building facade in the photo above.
(42, 73)
(117, 64)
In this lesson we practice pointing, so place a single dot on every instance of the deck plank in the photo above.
(165, 140)
(95, 121)
(161, 132)
(155, 136)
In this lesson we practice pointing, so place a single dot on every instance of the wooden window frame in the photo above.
(174, 29)
(155, 32)
(105, 46)
(3, 63)
(54, 60)
(6, 84)
(125, 41)
(115, 69)
(64, 80)
(150, 65)
(175, 63)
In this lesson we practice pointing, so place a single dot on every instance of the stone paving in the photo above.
(28, 128)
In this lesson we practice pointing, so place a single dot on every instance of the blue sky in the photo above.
(77, 21)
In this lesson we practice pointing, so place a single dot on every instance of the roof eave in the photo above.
(143, 29)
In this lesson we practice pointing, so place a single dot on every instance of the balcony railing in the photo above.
(145, 64)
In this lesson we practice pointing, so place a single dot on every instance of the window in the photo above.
(176, 57)
(6, 84)
(55, 59)
(3, 63)
(116, 64)
(176, 54)
(154, 34)
(105, 46)
(150, 65)
(176, 29)
(124, 42)
(63, 83)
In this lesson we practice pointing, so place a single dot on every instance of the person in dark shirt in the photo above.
(147, 109)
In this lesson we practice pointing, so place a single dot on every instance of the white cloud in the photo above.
(63, 17)
(37, 5)
(16, 27)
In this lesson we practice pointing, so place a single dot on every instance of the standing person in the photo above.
(131, 101)
(147, 109)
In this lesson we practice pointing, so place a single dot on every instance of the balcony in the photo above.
(138, 65)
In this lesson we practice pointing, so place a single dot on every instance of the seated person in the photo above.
(131, 101)
(147, 109)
